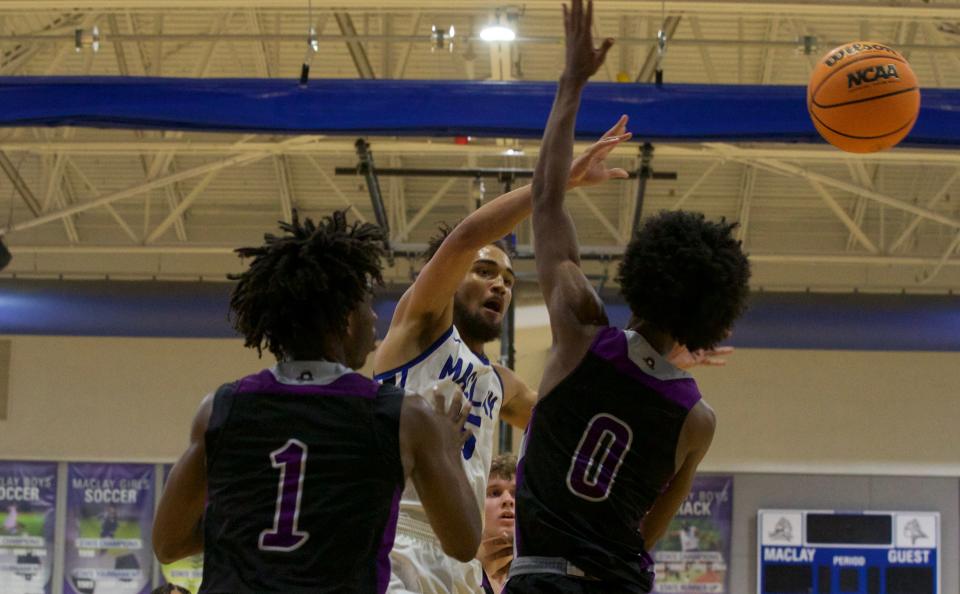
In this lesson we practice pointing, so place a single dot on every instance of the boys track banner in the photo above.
(109, 523)
(694, 554)
(28, 493)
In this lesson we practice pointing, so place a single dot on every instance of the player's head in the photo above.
(687, 277)
(308, 292)
(485, 292)
(499, 505)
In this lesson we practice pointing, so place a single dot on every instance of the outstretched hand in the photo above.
(583, 59)
(590, 168)
(685, 359)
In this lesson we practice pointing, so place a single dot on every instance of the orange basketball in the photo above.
(863, 97)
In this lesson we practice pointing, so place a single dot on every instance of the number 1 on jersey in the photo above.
(291, 459)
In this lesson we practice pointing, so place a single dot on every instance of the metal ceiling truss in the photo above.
(873, 222)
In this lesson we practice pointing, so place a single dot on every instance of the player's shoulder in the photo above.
(702, 420)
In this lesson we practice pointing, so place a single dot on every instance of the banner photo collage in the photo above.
(694, 554)
(28, 497)
(109, 519)
(109, 509)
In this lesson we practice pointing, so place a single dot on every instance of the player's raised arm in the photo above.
(177, 529)
(570, 299)
(430, 444)
(426, 309)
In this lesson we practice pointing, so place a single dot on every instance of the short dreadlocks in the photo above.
(304, 284)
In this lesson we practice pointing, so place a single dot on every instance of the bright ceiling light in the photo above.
(497, 33)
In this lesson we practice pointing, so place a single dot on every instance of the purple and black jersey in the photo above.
(303, 480)
(599, 450)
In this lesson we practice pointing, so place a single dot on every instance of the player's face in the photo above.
(361, 333)
(484, 295)
(499, 507)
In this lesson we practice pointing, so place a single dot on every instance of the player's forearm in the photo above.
(177, 539)
(556, 150)
(493, 220)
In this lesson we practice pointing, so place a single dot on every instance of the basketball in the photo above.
(863, 97)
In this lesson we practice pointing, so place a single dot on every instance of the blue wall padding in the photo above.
(673, 112)
(199, 310)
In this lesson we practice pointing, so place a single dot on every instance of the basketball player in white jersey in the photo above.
(438, 331)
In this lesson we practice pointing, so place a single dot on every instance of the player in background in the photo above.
(296, 471)
(496, 542)
(438, 331)
(618, 432)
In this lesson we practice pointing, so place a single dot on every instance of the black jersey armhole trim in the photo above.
(575, 368)
(219, 418)
(390, 391)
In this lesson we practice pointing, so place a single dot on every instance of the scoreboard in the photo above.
(842, 552)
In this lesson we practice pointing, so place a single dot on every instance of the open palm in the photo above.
(590, 168)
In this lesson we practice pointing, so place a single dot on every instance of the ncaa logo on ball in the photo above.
(872, 74)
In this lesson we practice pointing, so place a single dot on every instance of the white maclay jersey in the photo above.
(448, 358)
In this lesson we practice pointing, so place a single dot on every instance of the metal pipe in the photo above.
(299, 38)
(368, 169)
(493, 172)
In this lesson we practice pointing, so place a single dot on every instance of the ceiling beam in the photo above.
(823, 8)
(425, 209)
(841, 214)
(282, 172)
(649, 69)
(336, 190)
(613, 231)
(696, 185)
(357, 52)
(182, 207)
(937, 197)
(19, 184)
(144, 187)
(927, 277)
(748, 181)
(322, 145)
(606, 251)
(96, 192)
(704, 50)
(401, 68)
(788, 169)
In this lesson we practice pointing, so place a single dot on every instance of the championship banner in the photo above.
(693, 555)
(28, 495)
(109, 522)
(187, 573)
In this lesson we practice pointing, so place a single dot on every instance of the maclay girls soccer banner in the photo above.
(28, 493)
(187, 573)
(693, 556)
(109, 521)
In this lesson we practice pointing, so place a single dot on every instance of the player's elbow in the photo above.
(168, 548)
(165, 551)
(463, 540)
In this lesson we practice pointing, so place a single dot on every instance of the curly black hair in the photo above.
(443, 230)
(304, 283)
(686, 276)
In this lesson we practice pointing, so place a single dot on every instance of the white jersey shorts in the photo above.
(418, 565)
